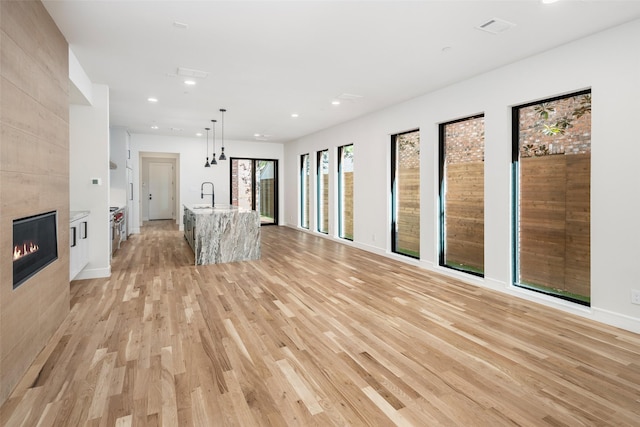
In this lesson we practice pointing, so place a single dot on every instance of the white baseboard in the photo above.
(616, 319)
(94, 273)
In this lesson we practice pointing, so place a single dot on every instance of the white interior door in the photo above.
(160, 191)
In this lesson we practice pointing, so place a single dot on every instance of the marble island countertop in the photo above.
(207, 209)
(221, 234)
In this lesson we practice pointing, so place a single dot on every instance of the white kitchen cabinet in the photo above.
(78, 242)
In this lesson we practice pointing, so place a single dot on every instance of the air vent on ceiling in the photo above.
(348, 97)
(181, 25)
(190, 72)
(495, 26)
(262, 137)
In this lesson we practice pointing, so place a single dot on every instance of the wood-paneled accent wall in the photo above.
(464, 214)
(34, 177)
(555, 222)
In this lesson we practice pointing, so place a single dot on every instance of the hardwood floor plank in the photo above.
(101, 391)
(382, 403)
(49, 414)
(316, 333)
(169, 403)
(125, 421)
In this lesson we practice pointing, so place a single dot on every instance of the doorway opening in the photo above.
(159, 186)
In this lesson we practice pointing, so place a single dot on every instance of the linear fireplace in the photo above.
(35, 245)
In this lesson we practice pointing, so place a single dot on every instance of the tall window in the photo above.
(551, 170)
(405, 193)
(304, 190)
(462, 195)
(345, 191)
(322, 188)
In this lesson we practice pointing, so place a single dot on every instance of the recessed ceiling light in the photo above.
(295, 115)
(335, 102)
(199, 134)
(548, 1)
(257, 135)
(190, 82)
(152, 99)
(154, 127)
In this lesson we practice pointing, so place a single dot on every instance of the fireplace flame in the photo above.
(27, 248)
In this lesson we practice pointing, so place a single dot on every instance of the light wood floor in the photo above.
(316, 333)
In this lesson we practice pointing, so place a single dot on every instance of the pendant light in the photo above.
(222, 156)
(213, 159)
(206, 165)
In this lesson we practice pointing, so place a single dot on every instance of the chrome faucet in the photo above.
(212, 194)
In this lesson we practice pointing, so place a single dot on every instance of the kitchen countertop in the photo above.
(207, 210)
(76, 215)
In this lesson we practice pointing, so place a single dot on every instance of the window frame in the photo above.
(515, 196)
(393, 193)
(341, 195)
(442, 194)
(319, 199)
(305, 175)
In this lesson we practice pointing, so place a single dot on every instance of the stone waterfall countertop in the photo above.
(225, 233)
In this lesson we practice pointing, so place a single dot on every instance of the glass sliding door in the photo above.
(552, 180)
(322, 191)
(304, 191)
(405, 193)
(254, 185)
(462, 195)
(345, 191)
(266, 171)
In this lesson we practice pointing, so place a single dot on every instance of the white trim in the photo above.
(93, 273)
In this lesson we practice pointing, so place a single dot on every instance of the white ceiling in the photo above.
(269, 59)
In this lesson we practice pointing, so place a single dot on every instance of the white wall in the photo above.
(191, 170)
(88, 159)
(608, 63)
(80, 87)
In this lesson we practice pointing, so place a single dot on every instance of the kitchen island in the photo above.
(222, 233)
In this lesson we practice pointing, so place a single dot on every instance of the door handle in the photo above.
(149, 196)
